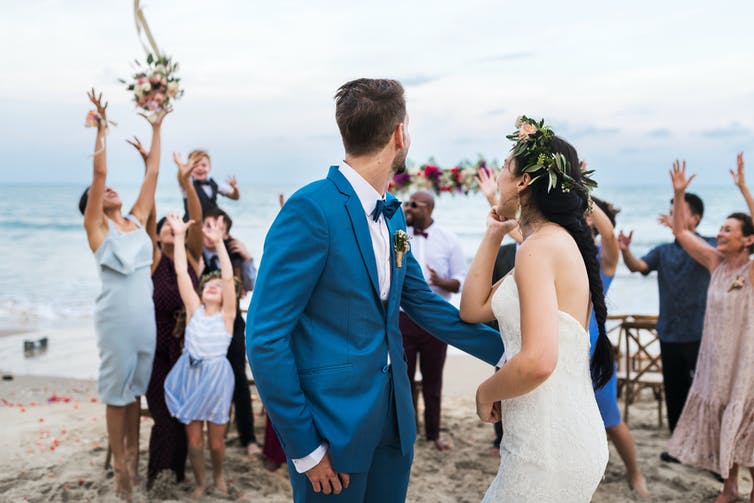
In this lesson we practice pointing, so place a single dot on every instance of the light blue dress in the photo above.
(200, 385)
(124, 315)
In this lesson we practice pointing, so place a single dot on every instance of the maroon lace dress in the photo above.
(167, 440)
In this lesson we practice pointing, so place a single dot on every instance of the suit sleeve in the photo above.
(294, 256)
(440, 318)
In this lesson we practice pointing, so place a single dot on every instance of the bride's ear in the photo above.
(523, 182)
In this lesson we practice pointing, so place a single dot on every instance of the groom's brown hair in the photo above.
(367, 112)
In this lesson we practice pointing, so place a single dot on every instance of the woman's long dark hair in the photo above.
(566, 208)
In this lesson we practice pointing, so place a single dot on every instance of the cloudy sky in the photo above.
(632, 85)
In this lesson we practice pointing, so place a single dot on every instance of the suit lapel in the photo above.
(392, 227)
(359, 224)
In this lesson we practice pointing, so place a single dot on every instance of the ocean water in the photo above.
(50, 280)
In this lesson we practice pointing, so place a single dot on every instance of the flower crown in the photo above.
(532, 141)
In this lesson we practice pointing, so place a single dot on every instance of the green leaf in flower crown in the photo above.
(552, 182)
(150, 58)
(122, 81)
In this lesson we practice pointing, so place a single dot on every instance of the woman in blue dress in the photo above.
(124, 312)
(602, 221)
(200, 385)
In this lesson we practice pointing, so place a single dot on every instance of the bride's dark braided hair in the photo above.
(565, 205)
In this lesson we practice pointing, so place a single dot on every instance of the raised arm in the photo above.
(151, 225)
(633, 263)
(145, 201)
(95, 221)
(610, 252)
(194, 238)
(699, 249)
(235, 193)
(214, 231)
(535, 278)
(476, 296)
(185, 287)
(740, 181)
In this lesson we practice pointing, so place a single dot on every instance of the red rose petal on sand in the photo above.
(93, 400)
(22, 409)
(41, 420)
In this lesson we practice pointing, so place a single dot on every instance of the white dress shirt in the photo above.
(440, 250)
(378, 231)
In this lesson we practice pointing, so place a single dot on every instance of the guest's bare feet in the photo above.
(443, 445)
(730, 492)
(198, 492)
(253, 450)
(122, 483)
(639, 484)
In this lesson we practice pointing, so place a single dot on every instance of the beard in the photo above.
(399, 163)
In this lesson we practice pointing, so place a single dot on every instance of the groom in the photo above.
(322, 333)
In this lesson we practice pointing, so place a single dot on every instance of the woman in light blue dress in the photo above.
(200, 385)
(602, 222)
(124, 312)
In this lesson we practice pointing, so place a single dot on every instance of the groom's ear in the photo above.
(399, 136)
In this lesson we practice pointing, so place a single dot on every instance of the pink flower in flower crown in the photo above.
(159, 98)
(525, 130)
(142, 101)
(141, 80)
(172, 90)
(155, 78)
(164, 81)
(152, 105)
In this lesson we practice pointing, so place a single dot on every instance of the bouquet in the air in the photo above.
(155, 84)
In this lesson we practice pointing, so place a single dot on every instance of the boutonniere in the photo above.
(400, 240)
(737, 284)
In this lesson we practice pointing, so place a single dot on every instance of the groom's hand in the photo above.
(324, 479)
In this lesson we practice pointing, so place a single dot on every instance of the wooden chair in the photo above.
(639, 364)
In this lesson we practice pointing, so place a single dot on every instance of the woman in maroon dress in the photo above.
(167, 440)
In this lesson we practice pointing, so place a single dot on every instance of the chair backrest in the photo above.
(641, 346)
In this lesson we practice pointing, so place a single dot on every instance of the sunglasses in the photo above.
(413, 204)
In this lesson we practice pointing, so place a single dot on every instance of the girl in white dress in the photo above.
(200, 385)
(554, 447)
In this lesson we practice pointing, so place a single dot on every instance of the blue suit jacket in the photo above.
(318, 335)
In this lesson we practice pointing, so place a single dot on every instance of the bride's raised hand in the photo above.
(499, 223)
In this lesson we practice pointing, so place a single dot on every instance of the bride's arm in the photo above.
(535, 278)
(476, 296)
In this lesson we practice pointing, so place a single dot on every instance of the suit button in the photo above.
(385, 369)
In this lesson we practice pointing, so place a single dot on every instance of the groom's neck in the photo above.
(375, 169)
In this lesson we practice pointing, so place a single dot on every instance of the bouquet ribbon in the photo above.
(142, 26)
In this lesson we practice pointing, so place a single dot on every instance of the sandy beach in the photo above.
(54, 446)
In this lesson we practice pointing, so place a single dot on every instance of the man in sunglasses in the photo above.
(438, 252)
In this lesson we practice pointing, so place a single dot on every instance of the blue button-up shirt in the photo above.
(682, 283)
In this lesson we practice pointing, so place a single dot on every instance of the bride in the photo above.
(554, 447)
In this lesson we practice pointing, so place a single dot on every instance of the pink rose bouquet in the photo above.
(154, 84)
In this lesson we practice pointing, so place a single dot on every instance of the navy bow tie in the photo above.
(385, 208)
(421, 233)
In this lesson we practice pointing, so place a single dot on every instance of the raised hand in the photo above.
(624, 241)
(678, 177)
(159, 115)
(486, 179)
(501, 224)
(136, 143)
(236, 246)
(97, 101)
(738, 175)
(213, 229)
(177, 224)
(232, 182)
(184, 168)
(665, 219)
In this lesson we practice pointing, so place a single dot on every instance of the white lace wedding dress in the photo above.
(554, 447)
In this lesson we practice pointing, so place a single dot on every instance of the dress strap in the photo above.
(134, 220)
